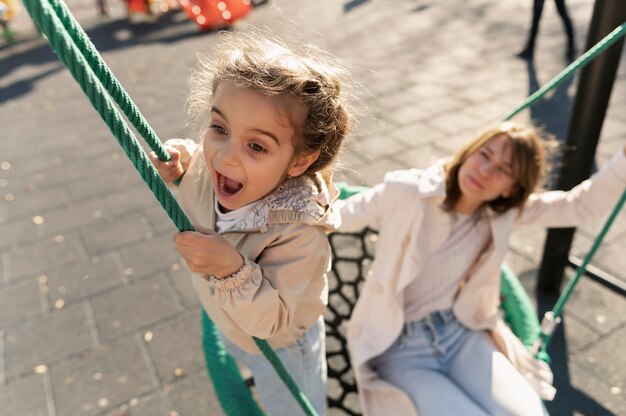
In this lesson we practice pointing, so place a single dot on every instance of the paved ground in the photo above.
(97, 317)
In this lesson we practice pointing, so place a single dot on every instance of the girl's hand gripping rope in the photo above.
(169, 170)
(207, 252)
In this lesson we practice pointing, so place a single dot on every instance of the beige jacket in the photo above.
(405, 210)
(282, 289)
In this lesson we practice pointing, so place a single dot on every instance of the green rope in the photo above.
(545, 335)
(47, 21)
(557, 311)
(302, 400)
(579, 63)
(232, 391)
(107, 78)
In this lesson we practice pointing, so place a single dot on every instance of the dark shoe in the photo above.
(526, 53)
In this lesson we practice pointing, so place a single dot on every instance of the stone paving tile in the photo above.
(176, 346)
(608, 370)
(45, 255)
(38, 342)
(77, 281)
(12, 397)
(598, 309)
(131, 199)
(586, 394)
(76, 216)
(181, 279)
(18, 232)
(35, 202)
(100, 185)
(19, 301)
(116, 312)
(150, 256)
(193, 395)
(123, 231)
(106, 376)
(151, 405)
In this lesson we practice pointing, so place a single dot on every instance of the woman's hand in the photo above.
(207, 252)
(170, 170)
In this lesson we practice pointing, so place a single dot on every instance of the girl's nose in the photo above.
(228, 152)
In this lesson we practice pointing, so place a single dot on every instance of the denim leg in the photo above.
(415, 363)
(491, 380)
(304, 360)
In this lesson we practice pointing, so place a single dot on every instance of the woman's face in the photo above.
(486, 174)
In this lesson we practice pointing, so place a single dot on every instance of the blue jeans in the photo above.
(447, 369)
(304, 360)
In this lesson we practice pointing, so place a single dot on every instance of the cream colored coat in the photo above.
(405, 210)
(282, 288)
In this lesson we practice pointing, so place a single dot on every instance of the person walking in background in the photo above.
(528, 51)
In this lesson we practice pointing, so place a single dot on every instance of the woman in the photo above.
(426, 335)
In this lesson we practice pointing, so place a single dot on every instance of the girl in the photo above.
(259, 188)
(425, 335)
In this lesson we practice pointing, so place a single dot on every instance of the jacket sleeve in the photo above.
(587, 201)
(372, 207)
(263, 296)
(362, 210)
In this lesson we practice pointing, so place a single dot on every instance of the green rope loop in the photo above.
(108, 79)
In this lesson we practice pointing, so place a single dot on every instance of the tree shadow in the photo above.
(552, 114)
(106, 36)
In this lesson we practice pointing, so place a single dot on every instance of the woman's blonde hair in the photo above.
(269, 67)
(529, 164)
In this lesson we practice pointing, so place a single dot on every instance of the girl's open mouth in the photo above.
(227, 186)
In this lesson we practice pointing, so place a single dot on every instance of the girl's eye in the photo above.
(257, 148)
(484, 154)
(218, 129)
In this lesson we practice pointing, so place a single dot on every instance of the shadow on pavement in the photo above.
(106, 36)
(569, 400)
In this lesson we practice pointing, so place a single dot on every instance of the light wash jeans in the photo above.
(304, 360)
(448, 369)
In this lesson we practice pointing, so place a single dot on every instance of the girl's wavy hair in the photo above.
(269, 67)
(529, 164)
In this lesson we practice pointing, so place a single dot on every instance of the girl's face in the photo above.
(486, 175)
(249, 146)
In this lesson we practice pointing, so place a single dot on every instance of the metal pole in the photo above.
(590, 104)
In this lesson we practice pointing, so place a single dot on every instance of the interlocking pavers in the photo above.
(431, 74)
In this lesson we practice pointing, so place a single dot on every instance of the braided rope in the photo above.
(48, 22)
(108, 79)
